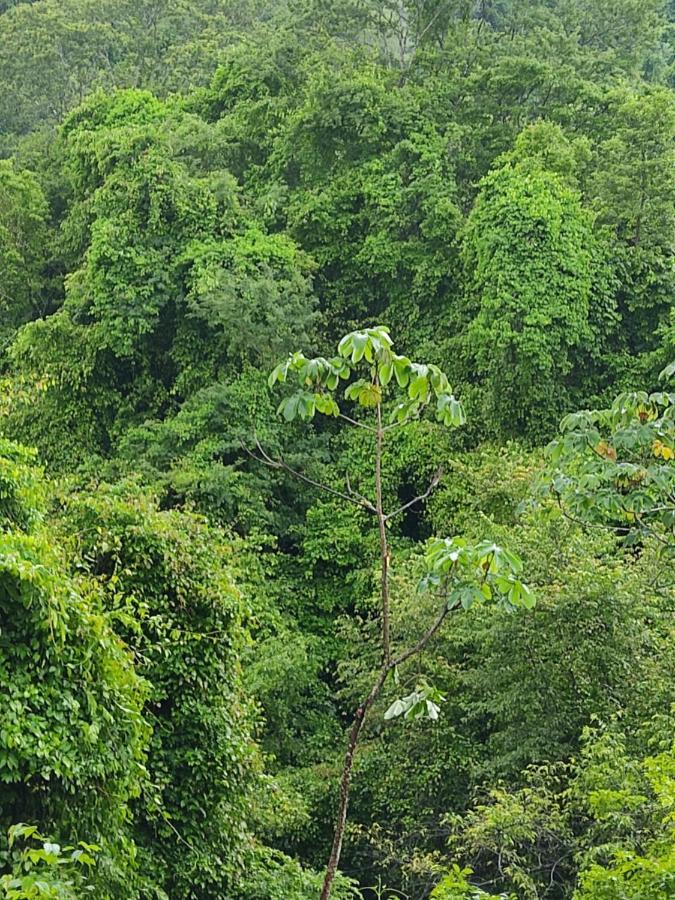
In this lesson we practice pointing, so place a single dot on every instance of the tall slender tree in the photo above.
(460, 573)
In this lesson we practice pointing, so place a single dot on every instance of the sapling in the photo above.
(367, 385)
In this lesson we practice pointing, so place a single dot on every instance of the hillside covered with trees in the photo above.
(337, 449)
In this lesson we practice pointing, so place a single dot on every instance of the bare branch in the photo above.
(434, 483)
(424, 640)
(441, 8)
(647, 529)
(272, 463)
(584, 523)
(406, 421)
(356, 422)
(353, 493)
(655, 509)
(651, 531)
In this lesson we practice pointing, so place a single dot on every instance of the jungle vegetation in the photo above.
(337, 449)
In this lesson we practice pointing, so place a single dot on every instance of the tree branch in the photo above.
(354, 734)
(426, 637)
(406, 421)
(272, 463)
(647, 529)
(356, 494)
(356, 422)
(584, 523)
(434, 483)
(441, 8)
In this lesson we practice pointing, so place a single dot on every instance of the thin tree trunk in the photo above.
(361, 712)
(345, 781)
(354, 734)
(384, 549)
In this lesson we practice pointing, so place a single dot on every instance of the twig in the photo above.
(584, 523)
(408, 419)
(434, 483)
(622, 529)
(350, 490)
(651, 531)
(356, 422)
(441, 8)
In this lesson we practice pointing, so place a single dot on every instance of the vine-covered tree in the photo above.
(73, 738)
(529, 249)
(23, 250)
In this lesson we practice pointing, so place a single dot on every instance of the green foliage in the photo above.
(23, 236)
(493, 480)
(63, 395)
(354, 165)
(284, 675)
(374, 198)
(47, 871)
(191, 458)
(529, 695)
(634, 187)
(21, 492)
(274, 876)
(482, 572)
(164, 579)
(631, 802)
(529, 248)
(254, 290)
(55, 54)
(616, 466)
(143, 758)
(456, 886)
(72, 743)
(167, 257)
(504, 831)
(195, 190)
(373, 348)
(518, 689)
(597, 827)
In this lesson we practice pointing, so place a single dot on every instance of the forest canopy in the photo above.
(337, 449)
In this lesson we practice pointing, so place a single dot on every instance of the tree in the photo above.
(520, 689)
(23, 238)
(174, 284)
(54, 54)
(633, 189)
(614, 35)
(597, 827)
(629, 796)
(47, 870)
(528, 249)
(615, 467)
(355, 167)
(73, 739)
(459, 573)
(164, 579)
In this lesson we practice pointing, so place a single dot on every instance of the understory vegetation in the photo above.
(337, 449)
